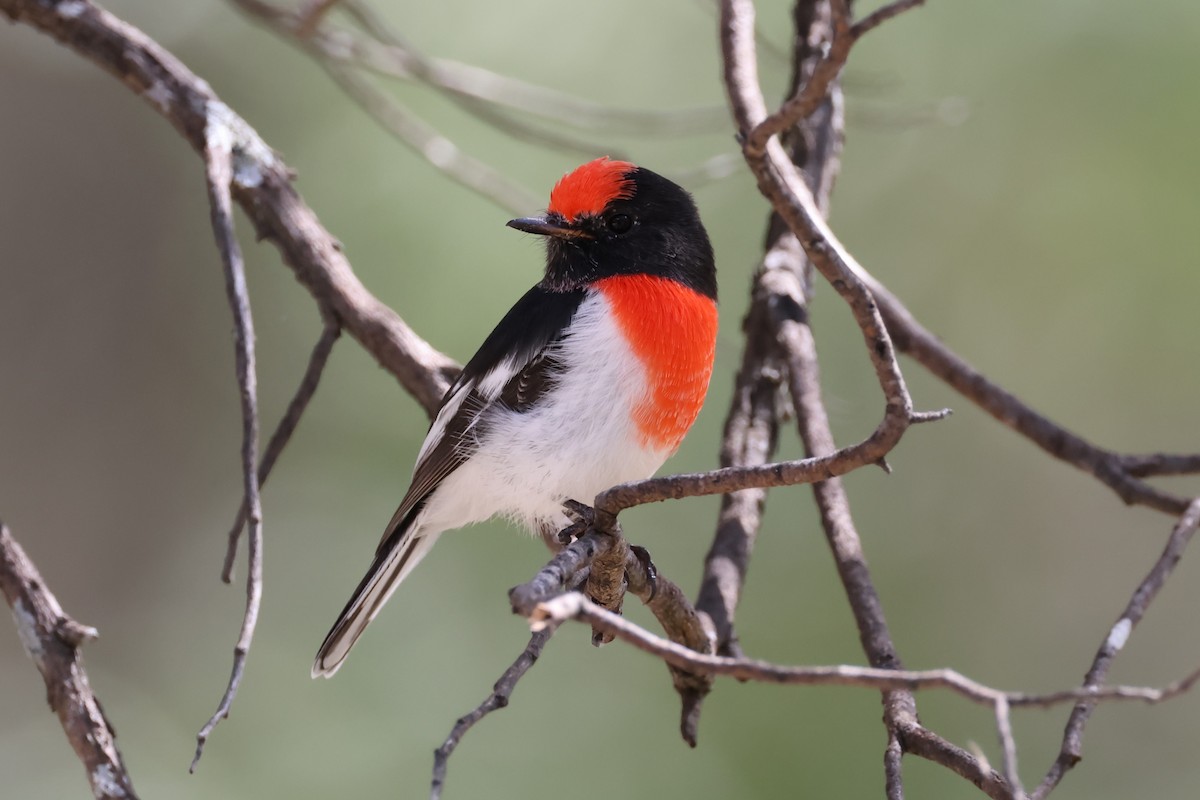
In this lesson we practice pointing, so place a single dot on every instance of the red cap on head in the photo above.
(591, 187)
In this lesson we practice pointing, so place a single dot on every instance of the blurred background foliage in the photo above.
(1022, 173)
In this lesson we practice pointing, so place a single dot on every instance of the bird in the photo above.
(591, 379)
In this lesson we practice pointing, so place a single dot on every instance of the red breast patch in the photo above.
(673, 330)
(591, 187)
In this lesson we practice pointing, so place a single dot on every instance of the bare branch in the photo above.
(52, 639)
(924, 743)
(576, 606)
(893, 768)
(782, 187)
(752, 425)
(870, 451)
(811, 93)
(552, 579)
(501, 692)
(1008, 745)
(219, 175)
(1153, 464)
(621, 567)
(283, 433)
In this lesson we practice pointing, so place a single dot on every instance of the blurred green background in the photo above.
(1022, 173)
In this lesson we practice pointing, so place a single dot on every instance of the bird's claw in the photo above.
(643, 556)
(582, 518)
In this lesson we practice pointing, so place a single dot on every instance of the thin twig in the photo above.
(1008, 745)
(485, 109)
(868, 452)
(501, 692)
(621, 568)
(219, 176)
(1152, 464)
(812, 92)
(1072, 743)
(893, 768)
(52, 640)
(576, 606)
(781, 182)
(552, 579)
(758, 406)
(881, 15)
(283, 432)
(427, 142)
(382, 51)
(924, 743)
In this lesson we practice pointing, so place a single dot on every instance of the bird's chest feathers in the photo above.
(671, 331)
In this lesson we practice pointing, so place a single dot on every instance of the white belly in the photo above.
(574, 447)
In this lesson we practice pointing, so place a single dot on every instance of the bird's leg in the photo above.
(606, 583)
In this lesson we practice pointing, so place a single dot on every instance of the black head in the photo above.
(614, 218)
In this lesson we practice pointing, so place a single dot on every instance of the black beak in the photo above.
(543, 226)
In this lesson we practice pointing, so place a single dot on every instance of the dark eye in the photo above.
(620, 223)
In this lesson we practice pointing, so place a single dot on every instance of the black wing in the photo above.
(514, 367)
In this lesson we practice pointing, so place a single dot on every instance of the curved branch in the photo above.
(218, 164)
(52, 640)
(870, 451)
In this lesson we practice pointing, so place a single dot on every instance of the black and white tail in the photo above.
(391, 566)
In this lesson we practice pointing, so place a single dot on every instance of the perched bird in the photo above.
(591, 379)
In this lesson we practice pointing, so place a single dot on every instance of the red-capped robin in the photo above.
(592, 379)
